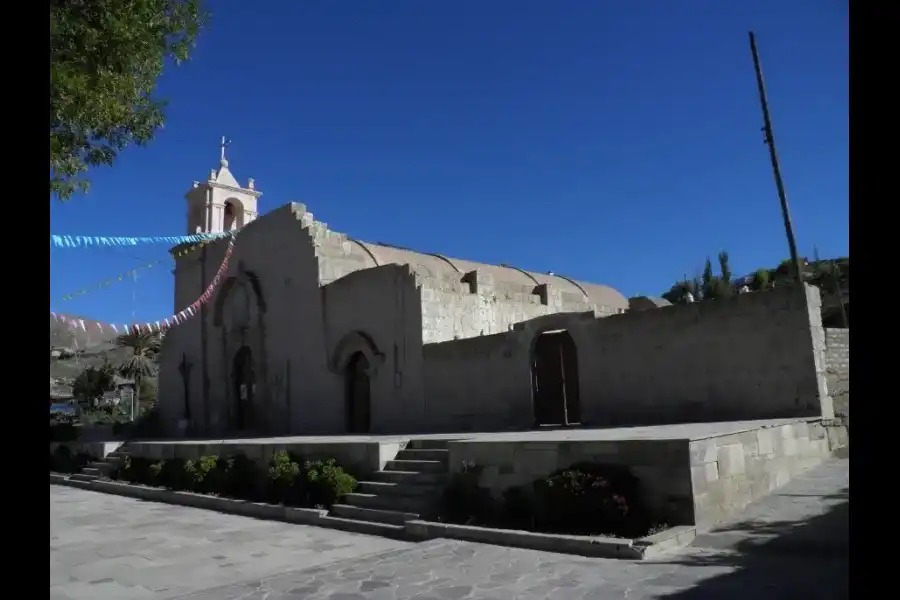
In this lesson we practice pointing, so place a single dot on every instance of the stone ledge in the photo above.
(599, 547)
(257, 510)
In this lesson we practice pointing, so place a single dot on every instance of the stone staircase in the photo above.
(100, 469)
(409, 487)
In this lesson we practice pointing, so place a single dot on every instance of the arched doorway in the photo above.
(357, 394)
(244, 387)
(554, 380)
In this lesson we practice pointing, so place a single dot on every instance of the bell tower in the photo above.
(220, 203)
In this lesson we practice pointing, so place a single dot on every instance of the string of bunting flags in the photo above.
(100, 241)
(163, 324)
(130, 272)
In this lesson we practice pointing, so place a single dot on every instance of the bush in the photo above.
(464, 501)
(318, 483)
(285, 480)
(241, 478)
(173, 474)
(325, 482)
(138, 470)
(589, 498)
(204, 475)
(63, 432)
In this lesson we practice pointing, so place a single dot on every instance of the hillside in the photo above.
(79, 349)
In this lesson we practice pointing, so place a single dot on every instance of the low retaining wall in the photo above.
(360, 457)
(696, 480)
(731, 471)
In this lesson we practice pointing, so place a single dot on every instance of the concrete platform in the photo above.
(692, 474)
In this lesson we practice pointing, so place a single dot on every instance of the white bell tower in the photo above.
(220, 204)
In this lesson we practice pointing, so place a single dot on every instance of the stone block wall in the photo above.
(837, 369)
(698, 481)
(729, 472)
(755, 356)
(662, 466)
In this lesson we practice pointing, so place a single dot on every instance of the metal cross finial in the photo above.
(222, 147)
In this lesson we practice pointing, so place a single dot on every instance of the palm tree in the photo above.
(144, 346)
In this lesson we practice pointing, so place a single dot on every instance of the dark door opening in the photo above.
(554, 380)
(244, 387)
(358, 402)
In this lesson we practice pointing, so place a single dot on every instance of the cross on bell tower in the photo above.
(220, 203)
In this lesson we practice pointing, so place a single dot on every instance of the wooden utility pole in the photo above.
(776, 169)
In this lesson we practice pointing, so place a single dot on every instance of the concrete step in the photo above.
(410, 477)
(83, 477)
(93, 472)
(427, 444)
(366, 527)
(430, 454)
(390, 488)
(408, 504)
(416, 466)
(117, 454)
(392, 517)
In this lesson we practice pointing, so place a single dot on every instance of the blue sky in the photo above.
(612, 142)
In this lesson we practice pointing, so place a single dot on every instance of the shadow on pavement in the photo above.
(801, 560)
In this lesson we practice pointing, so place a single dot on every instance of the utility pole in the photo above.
(776, 169)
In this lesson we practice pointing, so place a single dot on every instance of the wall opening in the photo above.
(230, 221)
(358, 394)
(244, 387)
(554, 380)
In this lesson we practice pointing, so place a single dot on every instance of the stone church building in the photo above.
(315, 332)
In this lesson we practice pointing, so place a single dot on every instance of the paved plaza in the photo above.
(794, 545)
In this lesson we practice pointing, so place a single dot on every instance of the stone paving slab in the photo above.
(117, 548)
(109, 547)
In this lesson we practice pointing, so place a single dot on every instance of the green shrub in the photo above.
(241, 478)
(137, 469)
(285, 484)
(589, 498)
(325, 482)
(464, 500)
(204, 475)
(173, 475)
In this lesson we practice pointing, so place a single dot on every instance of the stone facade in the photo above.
(837, 362)
(309, 318)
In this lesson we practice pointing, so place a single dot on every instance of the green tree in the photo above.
(762, 280)
(141, 364)
(105, 59)
(92, 383)
(707, 279)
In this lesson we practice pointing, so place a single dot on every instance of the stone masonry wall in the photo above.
(756, 356)
(662, 466)
(729, 472)
(698, 481)
(837, 362)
